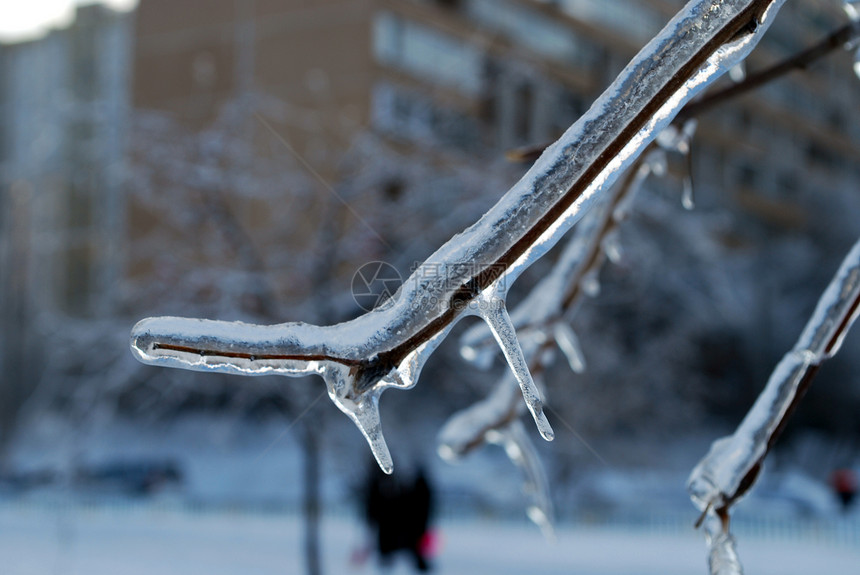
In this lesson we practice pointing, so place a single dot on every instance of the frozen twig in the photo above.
(840, 39)
(834, 41)
(733, 463)
(388, 346)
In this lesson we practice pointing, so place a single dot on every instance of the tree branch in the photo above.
(800, 61)
(734, 463)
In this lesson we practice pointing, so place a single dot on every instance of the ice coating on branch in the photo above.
(495, 420)
(521, 451)
(722, 549)
(467, 429)
(544, 302)
(245, 349)
(492, 310)
(732, 464)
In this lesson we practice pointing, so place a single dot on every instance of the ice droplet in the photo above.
(658, 164)
(857, 62)
(492, 309)
(568, 343)
(611, 245)
(687, 193)
(738, 72)
(482, 357)
(590, 283)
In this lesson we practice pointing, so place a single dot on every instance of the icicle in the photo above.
(722, 549)
(679, 141)
(687, 193)
(492, 309)
(590, 282)
(362, 408)
(521, 451)
(568, 343)
(857, 62)
(653, 163)
(612, 247)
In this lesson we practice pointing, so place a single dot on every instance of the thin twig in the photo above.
(799, 61)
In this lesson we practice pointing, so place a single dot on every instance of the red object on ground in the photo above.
(844, 481)
(431, 543)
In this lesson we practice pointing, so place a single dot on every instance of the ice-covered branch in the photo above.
(496, 420)
(837, 40)
(842, 38)
(387, 347)
(543, 313)
(733, 463)
(542, 319)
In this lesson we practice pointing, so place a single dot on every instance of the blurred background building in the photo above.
(242, 158)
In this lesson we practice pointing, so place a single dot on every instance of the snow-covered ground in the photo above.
(70, 540)
(614, 519)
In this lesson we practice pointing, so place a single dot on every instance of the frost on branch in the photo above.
(733, 463)
(387, 347)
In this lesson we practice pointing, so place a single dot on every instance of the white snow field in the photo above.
(73, 540)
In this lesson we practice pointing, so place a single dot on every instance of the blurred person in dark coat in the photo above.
(400, 512)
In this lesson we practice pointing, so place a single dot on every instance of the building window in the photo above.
(630, 16)
(532, 30)
(427, 53)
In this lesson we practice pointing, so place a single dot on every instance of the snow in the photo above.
(146, 540)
